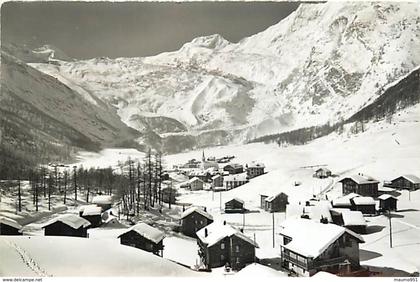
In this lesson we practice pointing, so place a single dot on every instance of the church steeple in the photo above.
(203, 158)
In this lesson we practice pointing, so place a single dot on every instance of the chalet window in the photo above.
(237, 249)
(222, 246)
(293, 255)
(237, 260)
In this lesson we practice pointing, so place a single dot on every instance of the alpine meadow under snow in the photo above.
(146, 135)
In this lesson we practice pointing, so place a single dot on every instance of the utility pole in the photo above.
(75, 183)
(390, 229)
(273, 229)
(220, 202)
(243, 221)
(19, 196)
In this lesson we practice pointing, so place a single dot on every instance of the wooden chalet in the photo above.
(222, 245)
(274, 203)
(233, 181)
(235, 205)
(103, 201)
(9, 226)
(193, 219)
(352, 220)
(387, 202)
(67, 225)
(322, 173)
(217, 181)
(308, 246)
(406, 182)
(366, 205)
(254, 170)
(360, 184)
(196, 184)
(205, 176)
(91, 213)
(234, 168)
(144, 237)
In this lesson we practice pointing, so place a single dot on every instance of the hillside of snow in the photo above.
(66, 256)
(322, 63)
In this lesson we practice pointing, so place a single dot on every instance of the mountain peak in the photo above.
(214, 41)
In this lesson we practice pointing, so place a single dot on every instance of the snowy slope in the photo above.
(322, 63)
(67, 256)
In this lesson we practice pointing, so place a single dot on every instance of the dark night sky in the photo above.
(86, 29)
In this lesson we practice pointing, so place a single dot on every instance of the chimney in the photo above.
(224, 222)
(205, 209)
(206, 232)
(242, 230)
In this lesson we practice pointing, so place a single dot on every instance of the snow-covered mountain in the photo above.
(321, 64)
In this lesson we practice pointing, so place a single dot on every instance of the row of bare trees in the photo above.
(138, 183)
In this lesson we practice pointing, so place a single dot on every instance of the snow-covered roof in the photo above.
(217, 231)
(236, 199)
(364, 201)
(386, 196)
(198, 210)
(91, 210)
(410, 177)
(323, 169)
(345, 200)
(353, 218)
(195, 179)
(361, 179)
(269, 199)
(147, 231)
(233, 165)
(71, 220)
(255, 165)
(236, 177)
(10, 222)
(102, 200)
(216, 176)
(321, 236)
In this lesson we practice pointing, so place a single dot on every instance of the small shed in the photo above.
(352, 220)
(276, 203)
(103, 201)
(387, 202)
(9, 226)
(67, 225)
(366, 205)
(92, 213)
(322, 173)
(144, 237)
(345, 201)
(193, 219)
(235, 205)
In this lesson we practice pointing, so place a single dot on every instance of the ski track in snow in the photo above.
(28, 260)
